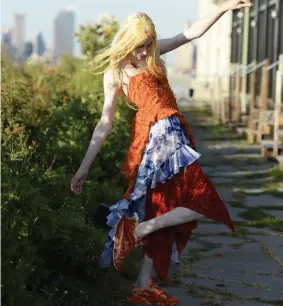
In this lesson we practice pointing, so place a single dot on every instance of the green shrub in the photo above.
(50, 237)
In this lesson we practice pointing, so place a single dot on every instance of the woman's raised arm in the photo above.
(201, 26)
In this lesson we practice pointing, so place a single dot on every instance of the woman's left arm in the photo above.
(201, 26)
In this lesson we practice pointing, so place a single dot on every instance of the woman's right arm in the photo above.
(101, 131)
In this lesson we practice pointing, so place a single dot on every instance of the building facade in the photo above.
(28, 49)
(64, 27)
(185, 54)
(213, 53)
(39, 44)
(19, 33)
(6, 42)
(257, 34)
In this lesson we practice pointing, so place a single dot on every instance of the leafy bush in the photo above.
(50, 237)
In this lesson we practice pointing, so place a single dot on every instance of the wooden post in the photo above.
(231, 94)
(218, 99)
(222, 102)
(263, 98)
(238, 96)
(251, 123)
(278, 103)
(245, 52)
(215, 96)
(212, 104)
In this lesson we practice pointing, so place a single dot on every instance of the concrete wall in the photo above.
(185, 54)
(213, 57)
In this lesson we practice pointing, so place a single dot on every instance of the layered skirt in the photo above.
(169, 176)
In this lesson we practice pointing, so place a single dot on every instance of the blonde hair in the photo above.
(133, 33)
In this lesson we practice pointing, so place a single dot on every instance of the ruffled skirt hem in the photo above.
(167, 154)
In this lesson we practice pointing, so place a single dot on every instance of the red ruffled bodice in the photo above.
(155, 100)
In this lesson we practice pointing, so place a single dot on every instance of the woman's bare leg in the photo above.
(176, 216)
(145, 273)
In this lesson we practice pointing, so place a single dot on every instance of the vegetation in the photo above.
(259, 218)
(51, 238)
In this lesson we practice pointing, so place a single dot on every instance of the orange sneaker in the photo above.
(125, 241)
(152, 295)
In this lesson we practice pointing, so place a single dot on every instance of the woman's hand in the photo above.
(235, 4)
(78, 181)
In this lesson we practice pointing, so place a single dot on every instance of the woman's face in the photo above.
(141, 52)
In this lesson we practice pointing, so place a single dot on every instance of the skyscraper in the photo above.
(7, 37)
(28, 50)
(7, 40)
(7, 43)
(19, 33)
(64, 26)
(39, 45)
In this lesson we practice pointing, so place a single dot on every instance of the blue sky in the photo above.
(168, 16)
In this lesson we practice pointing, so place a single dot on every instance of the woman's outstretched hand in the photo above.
(236, 4)
(78, 181)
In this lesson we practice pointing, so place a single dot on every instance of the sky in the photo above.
(169, 16)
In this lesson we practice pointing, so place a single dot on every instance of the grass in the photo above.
(236, 204)
(269, 189)
(239, 195)
(239, 233)
(219, 132)
(197, 110)
(258, 218)
(253, 214)
(270, 207)
(207, 292)
(270, 222)
(277, 173)
(274, 192)
(193, 258)
(216, 296)
(223, 132)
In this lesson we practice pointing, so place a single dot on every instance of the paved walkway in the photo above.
(242, 268)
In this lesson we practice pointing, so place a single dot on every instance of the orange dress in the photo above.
(187, 186)
(155, 100)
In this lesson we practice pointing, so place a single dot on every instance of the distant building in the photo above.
(28, 49)
(185, 54)
(6, 43)
(39, 45)
(7, 37)
(18, 38)
(213, 52)
(64, 27)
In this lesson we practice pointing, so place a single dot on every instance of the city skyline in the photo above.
(40, 17)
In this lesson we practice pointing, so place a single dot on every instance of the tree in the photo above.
(98, 35)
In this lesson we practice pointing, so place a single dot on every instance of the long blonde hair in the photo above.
(133, 32)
